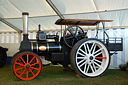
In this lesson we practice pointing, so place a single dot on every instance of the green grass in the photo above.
(54, 75)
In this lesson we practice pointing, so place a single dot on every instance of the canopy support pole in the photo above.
(10, 25)
(55, 9)
(97, 28)
(13, 27)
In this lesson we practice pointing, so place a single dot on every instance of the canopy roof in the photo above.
(41, 13)
(84, 22)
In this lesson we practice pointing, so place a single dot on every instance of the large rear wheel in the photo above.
(25, 67)
(90, 57)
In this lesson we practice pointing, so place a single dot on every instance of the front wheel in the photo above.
(27, 65)
(90, 57)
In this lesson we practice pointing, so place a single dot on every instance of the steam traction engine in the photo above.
(89, 57)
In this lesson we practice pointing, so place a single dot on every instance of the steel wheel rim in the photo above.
(23, 71)
(90, 63)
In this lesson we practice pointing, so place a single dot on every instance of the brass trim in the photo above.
(60, 47)
(37, 46)
(32, 46)
(47, 47)
(42, 48)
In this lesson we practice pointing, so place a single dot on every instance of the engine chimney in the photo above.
(25, 26)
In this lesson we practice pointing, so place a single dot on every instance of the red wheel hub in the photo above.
(27, 66)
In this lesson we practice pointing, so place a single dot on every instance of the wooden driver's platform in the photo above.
(86, 22)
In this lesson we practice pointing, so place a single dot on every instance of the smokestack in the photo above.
(25, 25)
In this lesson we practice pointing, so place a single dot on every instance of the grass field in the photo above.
(54, 75)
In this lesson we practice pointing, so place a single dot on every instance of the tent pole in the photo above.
(55, 9)
(10, 25)
(103, 23)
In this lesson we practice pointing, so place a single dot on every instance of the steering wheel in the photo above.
(72, 34)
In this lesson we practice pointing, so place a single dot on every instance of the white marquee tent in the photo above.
(40, 12)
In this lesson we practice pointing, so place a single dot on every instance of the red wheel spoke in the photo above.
(34, 64)
(22, 73)
(32, 59)
(19, 68)
(22, 60)
(18, 72)
(100, 57)
(19, 60)
(35, 68)
(27, 73)
(27, 58)
(31, 71)
(20, 64)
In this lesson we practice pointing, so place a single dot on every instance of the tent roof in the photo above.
(41, 13)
